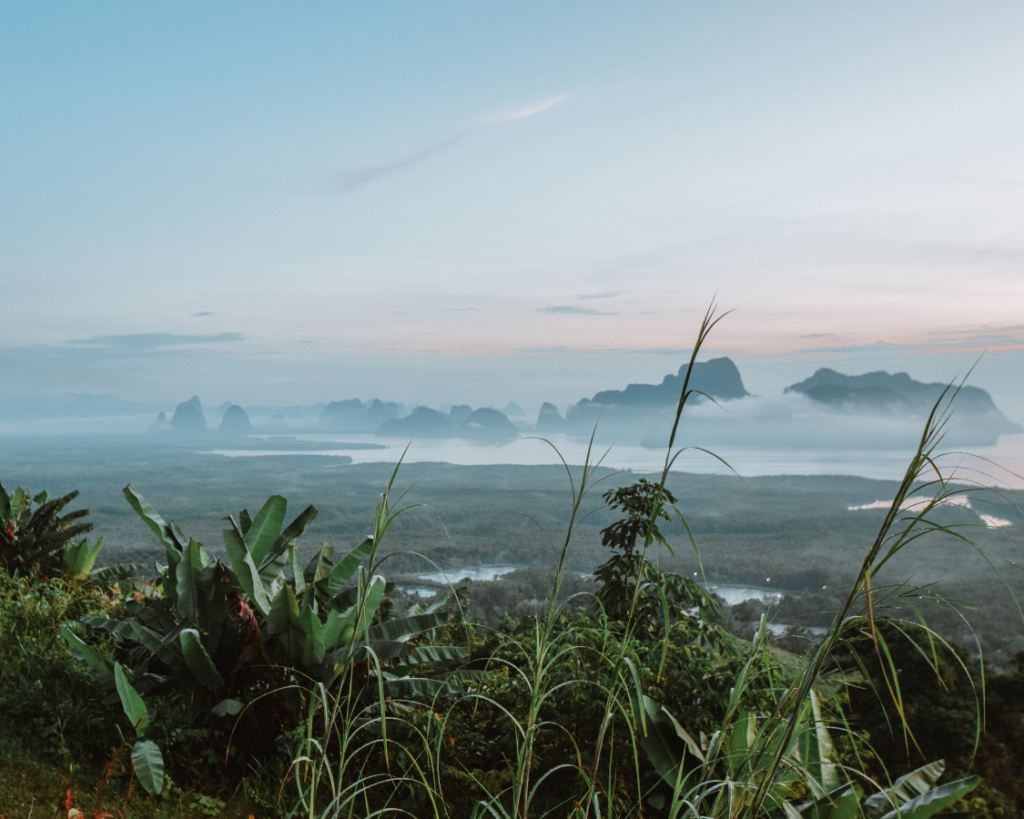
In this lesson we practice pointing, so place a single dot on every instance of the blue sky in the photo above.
(286, 203)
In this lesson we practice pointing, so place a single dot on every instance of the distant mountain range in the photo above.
(614, 410)
(874, 409)
(482, 424)
(353, 415)
(718, 378)
(827, 410)
(882, 392)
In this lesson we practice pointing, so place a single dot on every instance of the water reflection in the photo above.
(477, 573)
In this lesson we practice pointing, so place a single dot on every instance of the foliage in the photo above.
(51, 707)
(639, 706)
(218, 640)
(632, 585)
(973, 717)
(34, 535)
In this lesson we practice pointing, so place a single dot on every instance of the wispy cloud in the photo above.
(539, 107)
(977, 345)
(572, 310)
(606, 295)
(352, 180)
(676, 352)
(153, 341)
(203, 314)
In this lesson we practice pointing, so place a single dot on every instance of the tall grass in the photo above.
(366, 752)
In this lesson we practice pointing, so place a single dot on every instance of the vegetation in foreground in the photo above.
(273, 686)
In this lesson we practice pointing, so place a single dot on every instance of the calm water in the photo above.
(747, 461)
(732, 595)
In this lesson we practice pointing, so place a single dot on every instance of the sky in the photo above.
(477, 202)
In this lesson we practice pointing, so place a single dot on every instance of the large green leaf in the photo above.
(134, 708)
(403, 628)
(149, 766)
(370, 603)
(421, 689)
(319, 566)
(266, 528)
(283, 622)
(198, 661)
(79, 558)
(272, 573)
(157, 646)
(841, 803)
(297, 575)
(165, 534)
(313, 647)
(932, 801)
(186, 576)
(335, 627)
(245, 570)
(383, 650)
(904, 789)
(346, 567)
(214, 610)
(741, 740)
(119, 571)
(226, 708)
(815, 749)
(79, 648)
(17, 499)
(660, 738)
(5, 505)
(295, 529)
(436, 654)
(122, 629)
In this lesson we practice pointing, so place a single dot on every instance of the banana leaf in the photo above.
(405, 627)
(346, 567)
(198, 661)
(103, 670)
(294, 530)
(170, 537)
(904, 789)
(157, 646)
(186, 575)
(266, 528)
(934, 800)
(79, 558)
(244, 568)
(134, 708)
(663, 739)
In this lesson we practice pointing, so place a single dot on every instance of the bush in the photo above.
(55, 710)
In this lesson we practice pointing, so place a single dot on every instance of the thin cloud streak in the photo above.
(153, 341)
(571, 310)
(353, 180)
(529, 111)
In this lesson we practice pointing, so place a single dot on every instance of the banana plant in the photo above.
(147, 759)
(203, 622)
(733, 762)
(34, 534)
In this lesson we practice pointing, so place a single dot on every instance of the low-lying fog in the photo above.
(745, 460)
(773, 435)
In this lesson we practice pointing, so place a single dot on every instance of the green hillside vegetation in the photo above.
(269, 676)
